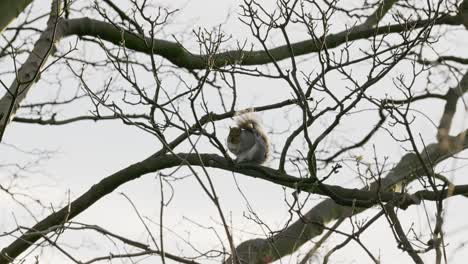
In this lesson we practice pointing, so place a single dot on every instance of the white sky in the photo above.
(84, 153)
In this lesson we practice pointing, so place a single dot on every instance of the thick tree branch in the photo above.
(343, 202)
(312, 223)
(451, 97)
(178, 55)
(29, 72)
(300, 231)
(380, 12)
(10, 9)
(172, 51)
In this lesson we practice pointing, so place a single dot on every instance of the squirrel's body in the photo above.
(248, 141)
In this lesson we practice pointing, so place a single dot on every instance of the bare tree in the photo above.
(355, 80)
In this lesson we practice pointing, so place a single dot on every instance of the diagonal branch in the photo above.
(403, 240)
(180, 56)
(379, 13)
(29, 72)
(312, 223)
(174, 52)
(300, 231)
(451, 97)
(10, 10)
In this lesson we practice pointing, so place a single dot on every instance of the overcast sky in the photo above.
(81, 154)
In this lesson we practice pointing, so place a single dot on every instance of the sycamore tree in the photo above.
(364, 103)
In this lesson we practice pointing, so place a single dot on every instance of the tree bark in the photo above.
(174, 52)
(10, 9)
(29, 72)
(251, 251)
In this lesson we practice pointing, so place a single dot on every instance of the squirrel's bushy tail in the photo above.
(247, 119)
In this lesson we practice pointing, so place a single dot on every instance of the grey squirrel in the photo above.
(248, 141)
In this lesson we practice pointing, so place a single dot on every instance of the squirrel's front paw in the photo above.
(239, 160)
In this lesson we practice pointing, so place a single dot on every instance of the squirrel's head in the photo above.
(234, 135)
